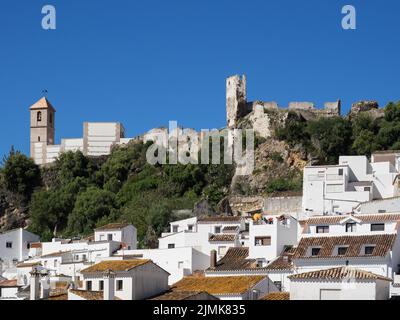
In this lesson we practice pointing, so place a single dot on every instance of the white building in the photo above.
(341, 188)
(124, 233)
(122, 279)
(205, 234)
(178, 262)
(8, 289)
(342, 283)
(14, 246)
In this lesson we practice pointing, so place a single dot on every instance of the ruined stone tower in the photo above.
(42, 124)
(236, 100)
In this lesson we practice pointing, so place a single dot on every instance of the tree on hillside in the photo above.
(20, 174)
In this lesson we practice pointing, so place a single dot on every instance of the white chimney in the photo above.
(35, 284)
(109, 285)
(45, 287)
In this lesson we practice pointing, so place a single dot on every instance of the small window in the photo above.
(217, 229)
(76, 257)
(342, 251)
(89, 285)
(322, 229)
(51, 118)
(39, 116)
(84, 257)
(278, 284)
(101, 285)
(28, 245)
(38, 139)
(351, 227)
(55, 263)
(377, 227)
(221, 250)
(368, 250)
(120, 285)
(9, 245)
(109, 237)
(259, 264)
(367, 189)
(174, 229)
(180, 265)
(315, 251)
(340, 172)
(190, 227)
(262, 241)
(247, 227)
(381, 211)
(171, 245)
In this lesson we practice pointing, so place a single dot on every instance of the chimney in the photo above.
(45, 287)
(109, 285)
(39, 284)
(213, 259)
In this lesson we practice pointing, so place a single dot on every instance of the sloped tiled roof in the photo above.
(381, 217)
(218, 285)
(230, 229)
(43, 103)
(115, 265)
(277, 296)
(339, 274)
(284, 261)
(383, 244)
(181, 295)
(235, 259)
(8, 283)
(112, 226)
(89, 295)
(219, 219)
(222, 238)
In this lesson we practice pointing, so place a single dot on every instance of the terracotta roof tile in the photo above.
(339, 274)
(284, 261)
(8, 283)
(383, 244)
(218, 285)
(230, 229)
(115, 265)
(89, 295)
(222, 238)
(43, 103)
(277, 296)
(235, 259)
(181, 295)
(219, 219)
(36, 245)
(381, 217)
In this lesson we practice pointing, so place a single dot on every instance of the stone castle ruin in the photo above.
(259, 112)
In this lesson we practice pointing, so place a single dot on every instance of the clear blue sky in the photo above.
(147, 62)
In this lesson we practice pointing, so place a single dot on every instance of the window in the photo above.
(89, 285)
(342, 251)
(315, 251)
(340, 172)
(84, 257)
(101, 237)
(221, 250)
(109, 237)
(190, 227)
(260, 263)
(174, 229)
(368, 250)
(120, 285)
(262, 241)
(377, 227)
(9, 245)
(351, 227)
(51, 118)
(247, 226)
(180, 265)
(76, 257)
(55, 263)
(278, 284)
(38, 139)
(28, 245)
(101, 285)
(171, 245)
(217, 229)
(322, 229)
(39, 116)
(367, 189)
(381, 211)
(334, 188)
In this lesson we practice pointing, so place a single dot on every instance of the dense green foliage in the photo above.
(324, 139)
(77, 193)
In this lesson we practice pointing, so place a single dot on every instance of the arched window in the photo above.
(39, 116)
